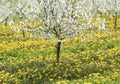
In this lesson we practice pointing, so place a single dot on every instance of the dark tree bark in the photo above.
(6, 20)
(115, 21)
(116, 16)
(58, 51)
(23, 33)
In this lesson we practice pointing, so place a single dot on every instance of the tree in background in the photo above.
(25, 11)
(5, 11)
(116, 12)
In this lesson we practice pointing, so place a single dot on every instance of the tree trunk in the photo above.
(6, 20)
(115, 18)
(58, 50)
(115, 21)
(23, 33)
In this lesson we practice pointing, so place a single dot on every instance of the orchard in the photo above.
(59, 41)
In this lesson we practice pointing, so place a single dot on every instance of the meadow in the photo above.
(83, 60)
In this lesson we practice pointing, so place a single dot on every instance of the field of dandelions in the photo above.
(92, 59)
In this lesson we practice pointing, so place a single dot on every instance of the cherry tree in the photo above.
(87, 12)
(116, 11)
(26, 10)
(5, 10)
(112, 7)
(58, 20)
(102, 7)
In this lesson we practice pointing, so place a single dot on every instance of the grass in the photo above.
(33, 60)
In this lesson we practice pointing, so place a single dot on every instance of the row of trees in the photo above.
(58, 18)
(61, 12)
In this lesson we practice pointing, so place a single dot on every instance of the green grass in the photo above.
(93, 61)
